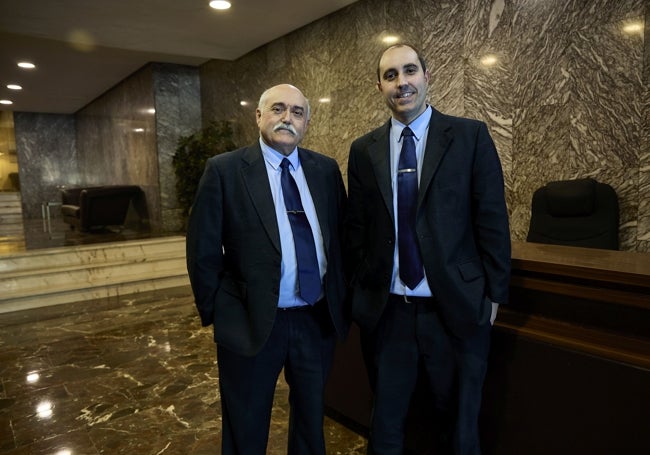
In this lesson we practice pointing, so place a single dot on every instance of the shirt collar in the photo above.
(274, 158)
(418, 126)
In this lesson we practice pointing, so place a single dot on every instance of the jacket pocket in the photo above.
(233, 287)
(471, 270)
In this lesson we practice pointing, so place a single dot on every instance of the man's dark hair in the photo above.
(417, 52)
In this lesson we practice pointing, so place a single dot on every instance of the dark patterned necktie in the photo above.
(309, 285)
(411, 270)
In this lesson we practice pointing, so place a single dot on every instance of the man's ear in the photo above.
(379, 86)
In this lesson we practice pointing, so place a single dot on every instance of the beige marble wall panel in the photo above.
(590, 125)
(488, 72)
(606, 114)
(224, 85)
(643, 241)
(541, 125)
(566, 97)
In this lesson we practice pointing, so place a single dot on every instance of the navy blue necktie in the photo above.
(411, 270)
(309, 285)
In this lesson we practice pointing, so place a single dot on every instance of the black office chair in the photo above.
(579, 212)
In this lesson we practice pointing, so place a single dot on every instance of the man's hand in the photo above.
(495, 308)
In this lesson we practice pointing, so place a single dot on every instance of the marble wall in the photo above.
(126, 136)
(564, 88)
(116, 139)
(129, 135)
(47, 158)
(178, 113)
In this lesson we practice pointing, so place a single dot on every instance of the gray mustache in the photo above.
(289, 128)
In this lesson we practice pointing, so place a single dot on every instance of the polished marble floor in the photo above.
(128, 375)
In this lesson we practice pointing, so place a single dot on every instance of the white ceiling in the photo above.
(84, 47)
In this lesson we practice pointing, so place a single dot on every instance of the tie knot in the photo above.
(407, 132)
(285, 163)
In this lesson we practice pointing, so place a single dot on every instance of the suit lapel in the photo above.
(379, 153)
(257, 182)
(438, 141)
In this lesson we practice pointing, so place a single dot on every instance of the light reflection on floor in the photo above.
(121, 376)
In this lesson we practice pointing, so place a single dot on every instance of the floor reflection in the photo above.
(19, 234)
(128, 375)
(35, 234)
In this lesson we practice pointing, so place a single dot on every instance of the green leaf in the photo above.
(191, 154)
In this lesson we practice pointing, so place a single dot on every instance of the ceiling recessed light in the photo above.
(220, 4)
(6, 102)
(14, 87)
(243, 103)
(324, 100)
(27, 65)
(390, 39)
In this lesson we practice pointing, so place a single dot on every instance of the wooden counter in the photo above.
(570, 360)
(595, 301)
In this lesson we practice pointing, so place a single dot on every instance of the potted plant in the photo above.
(191, 154)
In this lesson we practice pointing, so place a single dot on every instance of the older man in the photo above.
(264, 260)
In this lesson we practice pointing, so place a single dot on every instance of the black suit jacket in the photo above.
(233, 245)
(462, 223)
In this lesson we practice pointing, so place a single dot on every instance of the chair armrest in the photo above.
(71, 196)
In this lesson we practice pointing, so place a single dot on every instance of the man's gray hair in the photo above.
(264, 95)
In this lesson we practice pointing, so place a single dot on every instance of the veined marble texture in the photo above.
(133, 130)
(178, 113)
(47, 158)
(133, 375)
(585, 119)
(561, 85)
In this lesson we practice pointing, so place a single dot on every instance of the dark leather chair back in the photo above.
(106, 206)
(580, 213)
(97, 207)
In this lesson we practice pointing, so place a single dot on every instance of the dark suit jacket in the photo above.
(462, 223)
(233, 245)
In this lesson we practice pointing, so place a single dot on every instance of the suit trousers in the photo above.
(302, 345)
(412, 340)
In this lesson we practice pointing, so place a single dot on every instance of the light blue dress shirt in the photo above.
(289, 279)
(420, 128)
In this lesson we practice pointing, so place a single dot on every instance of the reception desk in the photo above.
(569, 365)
